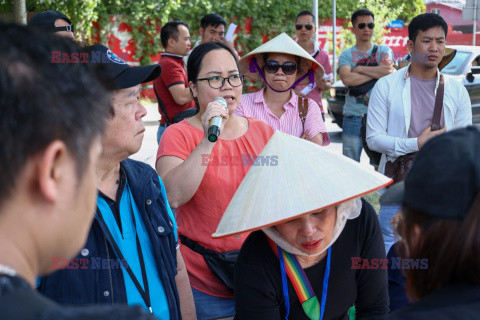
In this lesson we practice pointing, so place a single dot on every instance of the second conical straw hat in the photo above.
(302, 177)
(280, 44)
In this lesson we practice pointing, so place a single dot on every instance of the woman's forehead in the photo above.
(281, 57)
(218, 60)
(328, 211)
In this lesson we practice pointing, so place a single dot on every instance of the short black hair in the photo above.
(425, 21)
(213, 20)
(361, 12)
(305, 13)
(170, 30)
(42, 101)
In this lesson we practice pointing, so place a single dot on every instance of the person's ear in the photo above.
(171, 42)
(193, 89)
(410, 45)
(53, 169)
(201, 31)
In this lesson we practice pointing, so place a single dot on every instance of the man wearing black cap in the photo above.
(131, 255)
(54, 22)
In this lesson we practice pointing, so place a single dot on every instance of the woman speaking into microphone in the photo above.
(201, 175)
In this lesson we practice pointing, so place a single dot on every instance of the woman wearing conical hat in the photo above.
(281, 64)
(319, 249)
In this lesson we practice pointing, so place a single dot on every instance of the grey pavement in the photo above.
(148, 151)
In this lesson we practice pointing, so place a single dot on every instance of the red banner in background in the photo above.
(396, 39)
(121, 42)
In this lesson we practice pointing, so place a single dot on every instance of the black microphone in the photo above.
(215, 122)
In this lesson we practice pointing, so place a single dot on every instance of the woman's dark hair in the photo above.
(425, 21)
(194, 63)
(452, 248)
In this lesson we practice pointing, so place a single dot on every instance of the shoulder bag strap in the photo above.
(302, 109)
(437, 112)
(193, 245)
(162, 107)
(373, 57)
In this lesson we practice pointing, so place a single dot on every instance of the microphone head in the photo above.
(222, 101)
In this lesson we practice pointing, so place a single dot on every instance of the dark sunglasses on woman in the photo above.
(299, 26)
(272, 66)
(362, 25)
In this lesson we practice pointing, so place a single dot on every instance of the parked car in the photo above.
(464, 68)
(336, 101)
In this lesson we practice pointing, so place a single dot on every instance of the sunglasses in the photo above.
(288, 67)
(299, 26)
(362, 25)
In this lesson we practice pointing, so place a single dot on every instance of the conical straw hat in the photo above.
(281, 44)
(447, 57)
(306, 179)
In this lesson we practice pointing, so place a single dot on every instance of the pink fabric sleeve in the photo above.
(323, 59)
(314, 122)
(239, 110)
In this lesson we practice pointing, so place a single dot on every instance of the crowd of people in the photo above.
(246, 214)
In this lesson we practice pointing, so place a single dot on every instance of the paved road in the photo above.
(149, 147)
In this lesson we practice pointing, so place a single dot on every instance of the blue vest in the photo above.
(95, 275)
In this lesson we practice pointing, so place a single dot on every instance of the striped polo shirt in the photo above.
(253, 105)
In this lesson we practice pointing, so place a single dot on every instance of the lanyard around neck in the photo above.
(144, 292)
(290, 266)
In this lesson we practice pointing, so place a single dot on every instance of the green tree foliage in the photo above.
(267, 18)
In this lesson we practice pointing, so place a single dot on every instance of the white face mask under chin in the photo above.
(345, 211)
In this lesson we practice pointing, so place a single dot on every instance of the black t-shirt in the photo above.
(258, 284)
(20, 302)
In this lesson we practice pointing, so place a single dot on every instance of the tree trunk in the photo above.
(19, 11)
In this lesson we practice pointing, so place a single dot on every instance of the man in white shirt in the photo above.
(212, 29)
(401, 105)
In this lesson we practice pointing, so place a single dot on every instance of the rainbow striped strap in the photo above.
(290, 265)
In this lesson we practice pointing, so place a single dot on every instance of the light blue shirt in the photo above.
(126, 241)
(350, 57)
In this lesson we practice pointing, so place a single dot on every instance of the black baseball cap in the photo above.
(118, 70)
(445, 177)
(45, 21)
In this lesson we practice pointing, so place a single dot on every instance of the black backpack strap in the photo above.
(373, 56)
(162, 107)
